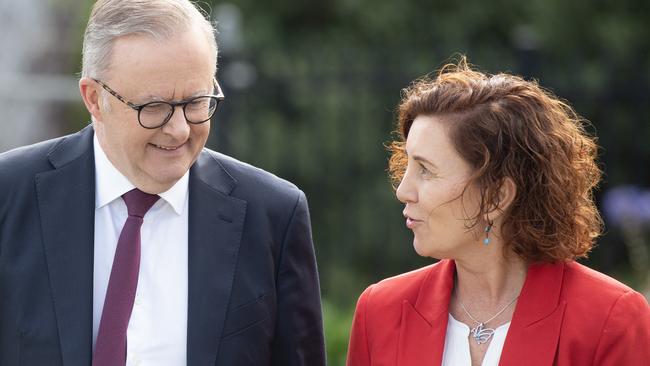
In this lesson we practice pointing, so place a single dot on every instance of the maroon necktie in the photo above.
(110, 349)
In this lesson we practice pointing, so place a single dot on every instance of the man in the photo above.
(129, 243)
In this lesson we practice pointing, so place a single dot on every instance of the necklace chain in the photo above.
(481, 333)
(492, 318)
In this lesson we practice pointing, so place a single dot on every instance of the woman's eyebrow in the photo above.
(422, 159)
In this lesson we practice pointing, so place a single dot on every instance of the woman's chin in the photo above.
(427, 249)
(421, 248)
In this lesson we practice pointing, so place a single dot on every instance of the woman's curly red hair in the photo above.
(505, 126)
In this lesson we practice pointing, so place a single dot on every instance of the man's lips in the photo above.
(167, 147)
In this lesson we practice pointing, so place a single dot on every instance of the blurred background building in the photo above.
(311, 89)
(40, 46)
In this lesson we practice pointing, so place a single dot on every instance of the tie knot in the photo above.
(138, 202)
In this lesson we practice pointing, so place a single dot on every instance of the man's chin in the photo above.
(169, 180)
(161, 181)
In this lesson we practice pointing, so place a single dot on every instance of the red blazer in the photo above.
(567, 314)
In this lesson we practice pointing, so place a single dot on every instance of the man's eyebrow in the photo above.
(158, 98)
(151, 97)
(201, 92)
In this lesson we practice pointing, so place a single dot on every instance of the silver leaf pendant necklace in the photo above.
(480, 332)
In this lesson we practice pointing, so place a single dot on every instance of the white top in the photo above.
(157, 332)
(457, 345)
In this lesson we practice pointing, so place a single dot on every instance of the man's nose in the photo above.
(177, 125)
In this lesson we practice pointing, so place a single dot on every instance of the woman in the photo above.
(496, 177)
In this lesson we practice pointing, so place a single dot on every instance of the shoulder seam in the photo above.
(609, 314)
(286, 231)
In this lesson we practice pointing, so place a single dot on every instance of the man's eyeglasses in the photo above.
(156, 114)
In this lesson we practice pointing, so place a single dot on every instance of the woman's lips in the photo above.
(411, 222)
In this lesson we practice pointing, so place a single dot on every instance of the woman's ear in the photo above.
(506, 196)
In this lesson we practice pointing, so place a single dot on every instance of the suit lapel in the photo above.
(535, 328)
(424, 325)
(66, 199)
(216, 222)
(533, 334)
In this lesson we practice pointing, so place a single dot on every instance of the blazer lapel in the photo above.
(216, 222)
(424, 325)
(535, 328)
(66, 199)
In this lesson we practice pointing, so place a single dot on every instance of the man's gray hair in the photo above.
(160, 19)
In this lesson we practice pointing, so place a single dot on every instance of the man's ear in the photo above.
(507, 194)
(91, 96)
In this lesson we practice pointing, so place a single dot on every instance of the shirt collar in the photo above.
(176, 196)
(110, 184)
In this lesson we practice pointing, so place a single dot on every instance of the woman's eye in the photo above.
(424, 170)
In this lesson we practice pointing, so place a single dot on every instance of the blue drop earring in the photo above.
(487, 230)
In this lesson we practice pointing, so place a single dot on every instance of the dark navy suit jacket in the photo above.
(253, 288)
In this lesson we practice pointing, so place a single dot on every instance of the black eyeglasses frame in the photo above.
(219, 97)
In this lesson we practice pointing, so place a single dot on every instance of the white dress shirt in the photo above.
(157, 331)
(456, 351)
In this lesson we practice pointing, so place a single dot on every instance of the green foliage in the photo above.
(337, 332)
(329, 76)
